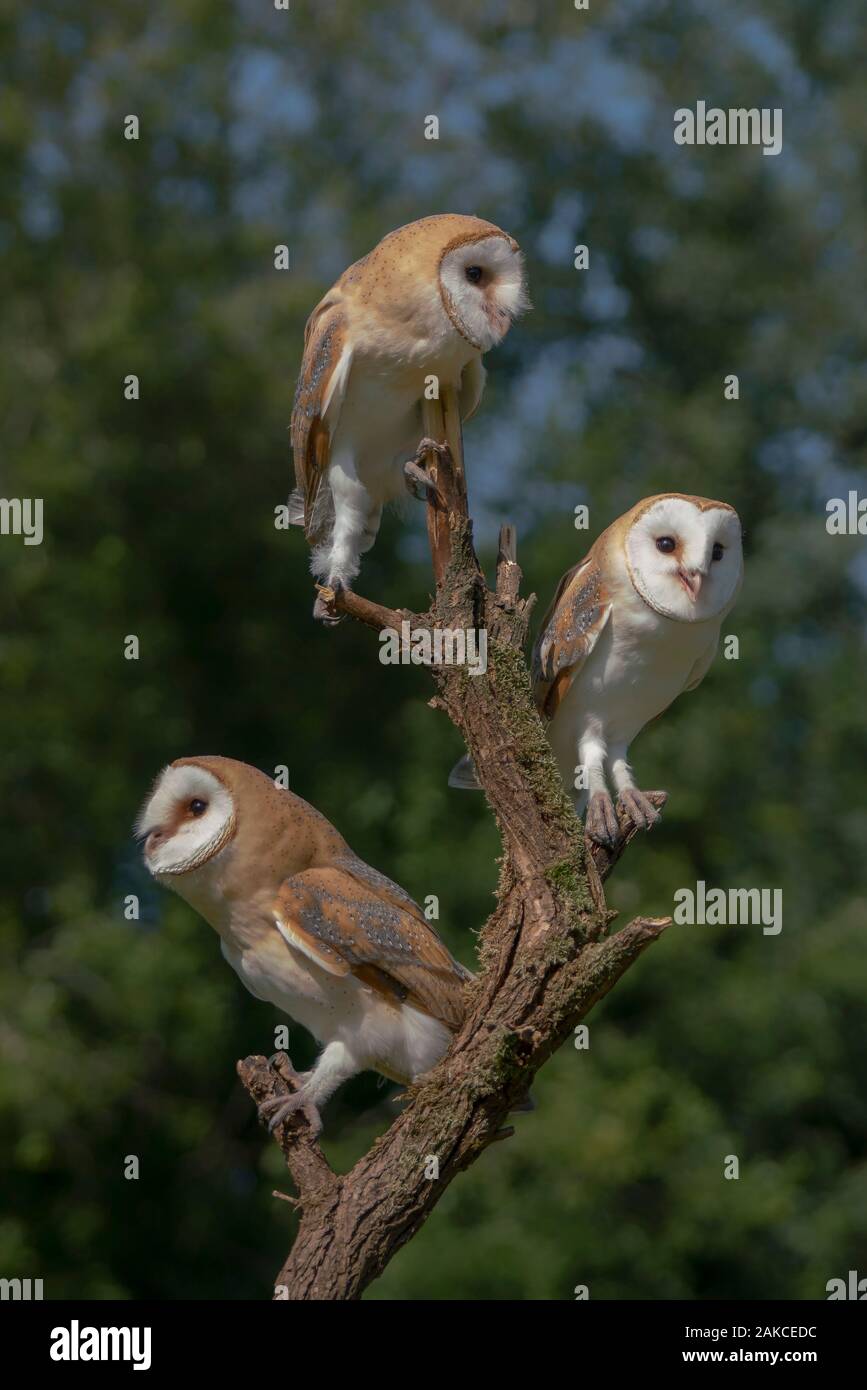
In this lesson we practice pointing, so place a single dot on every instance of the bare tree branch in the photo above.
(546, 954)
(372, 614)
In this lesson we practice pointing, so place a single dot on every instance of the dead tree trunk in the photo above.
(546, 953)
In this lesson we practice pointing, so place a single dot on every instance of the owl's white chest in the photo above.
(379, 429)
(275, 973)
(640, 664)
(380, 419)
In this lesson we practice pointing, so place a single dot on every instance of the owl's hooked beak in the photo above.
(692, 581)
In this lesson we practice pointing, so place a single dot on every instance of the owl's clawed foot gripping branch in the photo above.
(324, 610)
(612, 826)
(279, 1107)
(601, 823)
(276, 1080)
(639, 807)
(418, 481)
(291, 1105)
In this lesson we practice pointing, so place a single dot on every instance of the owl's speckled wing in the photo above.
(570, 630)
(319, 395)
(352, 920)
(380, 883)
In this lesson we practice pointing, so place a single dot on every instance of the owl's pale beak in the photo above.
(692, 581)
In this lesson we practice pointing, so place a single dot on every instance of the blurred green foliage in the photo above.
(155, 257)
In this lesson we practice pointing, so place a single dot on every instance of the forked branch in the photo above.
(546, 952)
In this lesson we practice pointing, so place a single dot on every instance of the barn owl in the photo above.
(305, 923)
(426, 302)
(631, 626)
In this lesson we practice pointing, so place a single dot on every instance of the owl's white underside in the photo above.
(378, 429)
(640, 664)
(394, 1039)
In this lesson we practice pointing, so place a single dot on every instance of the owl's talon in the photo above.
(419, 483)
(322, 609)
(284, 1106)
(430, 446)
(639, 808)
(418, 480)
(601, 823)
(282, 1064)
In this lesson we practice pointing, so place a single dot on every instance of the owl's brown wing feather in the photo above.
(338, 920)
(379, 883)
(570, 630)
(318, 397)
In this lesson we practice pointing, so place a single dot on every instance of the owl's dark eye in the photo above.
(197, 807)
(473, 274)
(717, 552)
(666, 544)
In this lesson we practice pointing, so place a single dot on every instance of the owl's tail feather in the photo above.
(463, 775)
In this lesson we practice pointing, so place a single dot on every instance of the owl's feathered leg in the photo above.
(336, 561)
(351, 511)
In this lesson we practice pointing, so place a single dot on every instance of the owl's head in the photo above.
(483, 286)
(208, 807)
(187, 819)
(685, 557)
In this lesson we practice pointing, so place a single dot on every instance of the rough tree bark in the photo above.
(546, 953)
